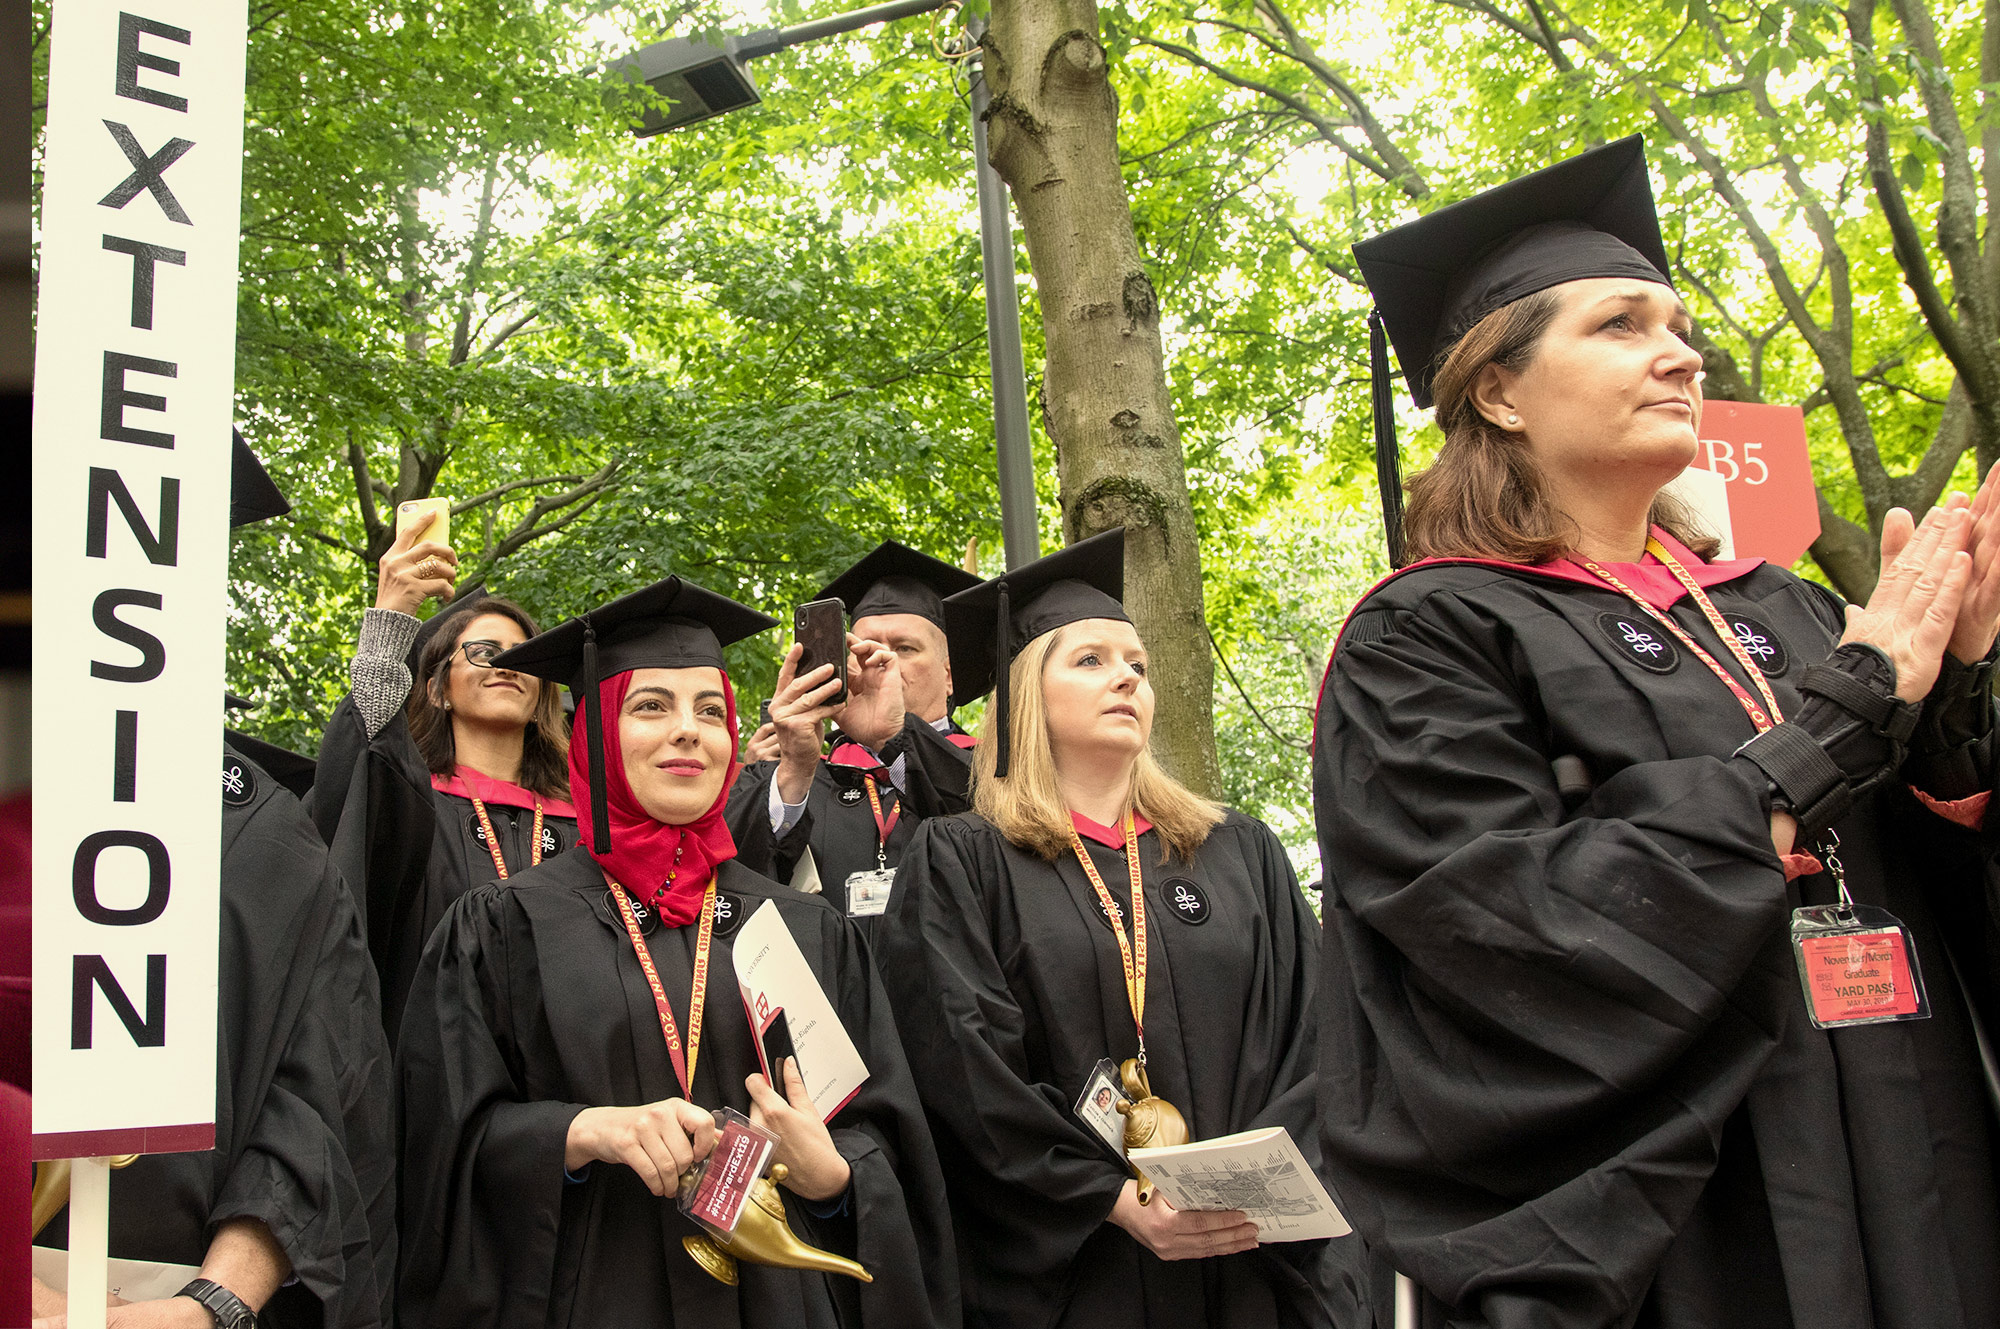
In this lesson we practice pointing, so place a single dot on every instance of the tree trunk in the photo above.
(1053, 130)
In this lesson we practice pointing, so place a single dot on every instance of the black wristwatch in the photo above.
(227, 1308)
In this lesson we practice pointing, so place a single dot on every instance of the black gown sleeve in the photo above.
(937, 773)
(1544, 1018)
(1041, 1178)
(482, 1163)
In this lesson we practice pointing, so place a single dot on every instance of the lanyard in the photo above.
(493, 841)
(683, 1067)
(882, 827)
(1135, 966)
(1763, 717)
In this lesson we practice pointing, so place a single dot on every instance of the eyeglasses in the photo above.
(479, 654)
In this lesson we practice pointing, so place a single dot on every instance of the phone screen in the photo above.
(778, 1046)
(821, 627)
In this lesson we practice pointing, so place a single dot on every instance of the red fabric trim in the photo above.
(468, 783)
(1967, 812)
(1111, 837)
(854, 755)
(1800, 864)
(966, 741)
(125, 1140)
(1648, 577)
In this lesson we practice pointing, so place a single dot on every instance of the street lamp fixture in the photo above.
(700, 80)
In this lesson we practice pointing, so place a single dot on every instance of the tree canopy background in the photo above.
(748, 350)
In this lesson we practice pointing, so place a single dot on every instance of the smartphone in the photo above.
(821, 627)
(417, 510)
(777, 1046)
(763, 713)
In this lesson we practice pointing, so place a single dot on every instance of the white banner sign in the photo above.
(134, 383)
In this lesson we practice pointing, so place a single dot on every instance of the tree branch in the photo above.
(1237, 683)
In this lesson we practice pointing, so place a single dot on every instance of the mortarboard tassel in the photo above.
(600, 798)
(1388, 464)
(1002, 672)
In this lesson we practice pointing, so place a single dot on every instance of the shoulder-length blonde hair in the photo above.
(1484, 497)
(1028, 805)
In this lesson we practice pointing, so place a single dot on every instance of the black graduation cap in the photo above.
(990, 623)
(450, 616)
(896, 579)
(672, 624)
(253, 495)
(1434, 278)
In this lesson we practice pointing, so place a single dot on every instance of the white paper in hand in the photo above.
(773, 976)
(1260, 1172)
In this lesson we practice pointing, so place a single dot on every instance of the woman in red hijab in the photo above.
(572, 1029)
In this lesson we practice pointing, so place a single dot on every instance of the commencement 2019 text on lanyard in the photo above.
(493, 841)
(1763, 717)
(1133, 953)
(683, 1066)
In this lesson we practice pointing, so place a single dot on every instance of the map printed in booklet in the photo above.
(1260, 1172)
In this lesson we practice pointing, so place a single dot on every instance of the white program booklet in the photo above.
(774, 978)
(134, 1280)
(1260, 1172)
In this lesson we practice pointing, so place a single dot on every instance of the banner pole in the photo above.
(89, 1242)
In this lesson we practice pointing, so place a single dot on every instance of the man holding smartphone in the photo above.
(838, 822)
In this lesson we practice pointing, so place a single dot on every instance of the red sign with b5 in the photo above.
(1760, 453)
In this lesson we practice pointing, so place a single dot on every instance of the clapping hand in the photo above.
(1915, 610)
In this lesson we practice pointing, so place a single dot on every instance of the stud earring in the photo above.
(1513, 419)
(447, 705)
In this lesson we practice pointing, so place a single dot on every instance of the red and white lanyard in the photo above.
(683, 1065)
(493, 841)
(1763, 716)
(882, 825)
(1131, 954)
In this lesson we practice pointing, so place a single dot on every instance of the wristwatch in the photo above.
(227, 1308)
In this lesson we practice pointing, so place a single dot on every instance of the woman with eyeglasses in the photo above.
(438, 772)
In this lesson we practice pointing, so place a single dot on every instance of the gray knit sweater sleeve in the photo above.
(379, 677)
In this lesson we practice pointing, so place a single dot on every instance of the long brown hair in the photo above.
(1028, 805)
(545, 747)
(1484, 496)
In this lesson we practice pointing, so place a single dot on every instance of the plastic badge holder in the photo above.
(1857, 965)
(722, 1181)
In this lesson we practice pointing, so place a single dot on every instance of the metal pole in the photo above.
(753, 45)
(1019, 526)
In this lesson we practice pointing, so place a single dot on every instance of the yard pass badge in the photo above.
(1642, 640)
(1857, 965)
(868, 892)
(1189, 903)
(239, 784)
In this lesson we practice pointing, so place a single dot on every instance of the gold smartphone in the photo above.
(417, 511)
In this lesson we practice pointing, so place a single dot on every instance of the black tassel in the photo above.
(600, 811)
(1003, 660)
(1388, 464)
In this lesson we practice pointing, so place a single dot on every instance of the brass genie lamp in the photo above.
(1150, 1122)
(762, 1236)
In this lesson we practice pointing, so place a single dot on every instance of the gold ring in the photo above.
(427, 569)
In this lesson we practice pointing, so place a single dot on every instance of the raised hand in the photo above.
(414, 570)
(797, 707)
(1913, 613)
(815, 1170)
(1979, 613)
(1175, 1234)
(659, 1141)
(874, 711)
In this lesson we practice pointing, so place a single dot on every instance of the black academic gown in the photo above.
(529, 1007)
(407, 849)
(838, 824)
(303, 1133)
(1009, 989)
(1569, 1078)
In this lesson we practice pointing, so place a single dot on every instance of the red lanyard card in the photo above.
(722, 1180)
(1858, 966)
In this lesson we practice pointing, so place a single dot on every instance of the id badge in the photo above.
(868, 892)
(1097, 1106)
(722, 1180)
(1858, 966)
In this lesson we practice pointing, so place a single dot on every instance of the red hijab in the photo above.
(643, 851)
